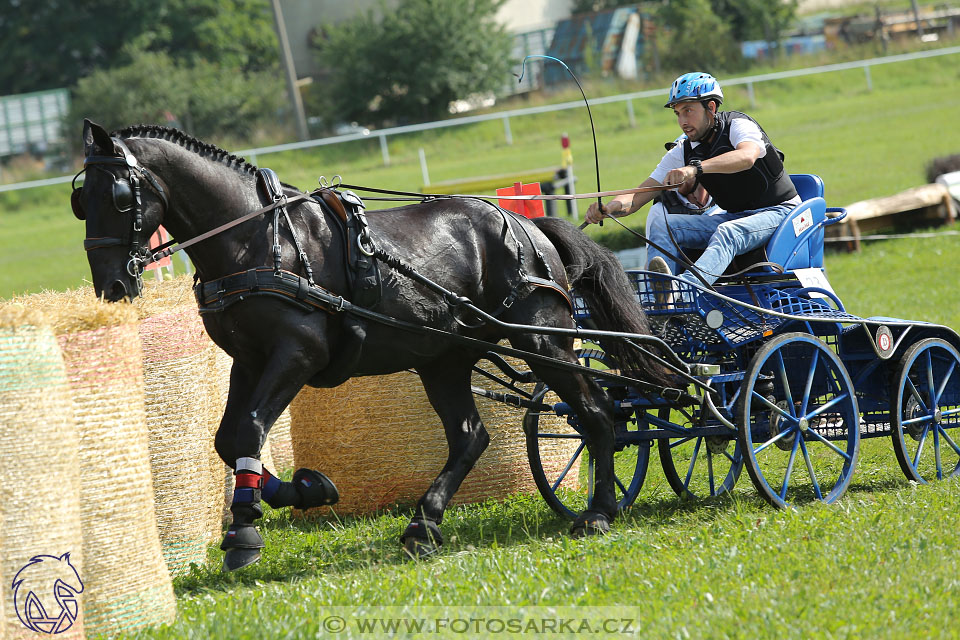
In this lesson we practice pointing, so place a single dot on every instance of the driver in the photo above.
(728, 154)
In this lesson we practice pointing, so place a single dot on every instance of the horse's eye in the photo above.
(122, 196)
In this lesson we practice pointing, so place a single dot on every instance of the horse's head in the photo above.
(122, 203)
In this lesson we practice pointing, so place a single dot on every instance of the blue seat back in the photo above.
(798, 242)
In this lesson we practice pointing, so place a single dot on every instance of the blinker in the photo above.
(122, 196)
(75, 204)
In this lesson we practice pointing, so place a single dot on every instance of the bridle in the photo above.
(126, 199)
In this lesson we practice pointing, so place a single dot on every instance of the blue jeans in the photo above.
(722, 237)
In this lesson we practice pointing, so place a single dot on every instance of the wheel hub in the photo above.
(912, 411)
(717, 444)
(777, 424)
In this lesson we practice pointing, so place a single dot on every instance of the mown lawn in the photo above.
(864, 144)
(878, 564)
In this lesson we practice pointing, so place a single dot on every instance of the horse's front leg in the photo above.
(253, 405)
(448, 389)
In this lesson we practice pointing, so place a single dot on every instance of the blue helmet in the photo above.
(695, 86)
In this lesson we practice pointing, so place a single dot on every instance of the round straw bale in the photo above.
(380, 441)
(175, 367)
(40, 510)
(127, 585)
(218, 384)
(178, 363)
(281, 446)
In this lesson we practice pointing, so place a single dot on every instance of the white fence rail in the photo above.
(253, 154)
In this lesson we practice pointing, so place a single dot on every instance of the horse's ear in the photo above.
(96, 140)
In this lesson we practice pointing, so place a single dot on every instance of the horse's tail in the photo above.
(600, 280)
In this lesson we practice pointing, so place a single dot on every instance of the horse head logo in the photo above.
(46, 594)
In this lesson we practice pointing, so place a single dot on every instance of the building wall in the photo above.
(302, 18)
(519, 16)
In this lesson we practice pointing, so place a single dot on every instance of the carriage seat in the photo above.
(798, 241)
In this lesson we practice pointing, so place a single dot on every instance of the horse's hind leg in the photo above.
(448, 389)
(594, 411)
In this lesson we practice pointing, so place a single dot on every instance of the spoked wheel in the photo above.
(926, 403)
(561, 465)
(798, 421)
(699, 467)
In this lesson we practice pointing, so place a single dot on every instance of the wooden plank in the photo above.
(921, 197)
(924, 205)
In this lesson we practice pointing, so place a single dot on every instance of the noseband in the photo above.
(126, 198)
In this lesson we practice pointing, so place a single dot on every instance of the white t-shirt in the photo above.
(741, 130)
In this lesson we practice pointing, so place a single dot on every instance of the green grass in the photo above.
(878, 564)
(864, 144)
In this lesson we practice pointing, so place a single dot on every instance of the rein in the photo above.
(557, 196)
(168, 249)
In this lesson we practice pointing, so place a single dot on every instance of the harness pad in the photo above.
(364, 279)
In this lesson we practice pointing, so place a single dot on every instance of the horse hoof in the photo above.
(314, 489)
(234, 559)
(590, 523)
(421, 539)
(418, 549)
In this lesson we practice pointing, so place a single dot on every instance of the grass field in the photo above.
(864, 144)
(879, 564)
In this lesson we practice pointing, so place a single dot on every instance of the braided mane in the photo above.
(187, 142)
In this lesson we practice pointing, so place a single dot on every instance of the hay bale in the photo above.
(281, 444)
(381, 442)
(175, 354)
(127, 583)
(218, 384)
(40, 510)
(179, 401)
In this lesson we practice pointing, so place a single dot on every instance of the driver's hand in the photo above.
(595, 213)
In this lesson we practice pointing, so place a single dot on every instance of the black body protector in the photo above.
(765, 184)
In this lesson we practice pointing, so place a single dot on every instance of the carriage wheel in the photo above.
(798, 421)
(698, 467)
(926, 402)
(561, 465)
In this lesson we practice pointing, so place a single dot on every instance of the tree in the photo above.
(413, 61)
(698, 39)
(47, 44)
(207, 100)
(757, 19)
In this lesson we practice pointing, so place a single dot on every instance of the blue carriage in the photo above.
(782, 380)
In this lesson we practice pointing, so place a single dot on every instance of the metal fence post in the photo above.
(506, 130)
(866, 70)
(753, 98)
(630, 115)
(423, 168)
(384, 150)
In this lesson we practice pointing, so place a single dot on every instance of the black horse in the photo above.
(508, 266)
